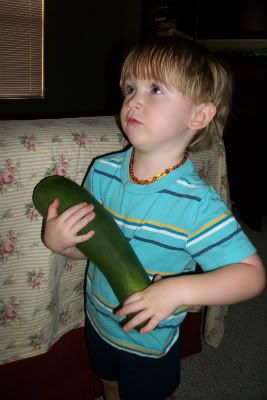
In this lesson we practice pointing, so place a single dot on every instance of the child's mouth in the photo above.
(133, 121)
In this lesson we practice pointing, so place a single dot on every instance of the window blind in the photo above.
(21, 48)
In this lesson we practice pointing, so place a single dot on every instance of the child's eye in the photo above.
(156, 89)
(129, 89)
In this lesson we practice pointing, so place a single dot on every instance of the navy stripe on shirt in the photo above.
(158, 243)
(98, 171)
(188, 196)
(217, 243)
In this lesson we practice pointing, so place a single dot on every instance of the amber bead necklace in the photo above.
(158, 176)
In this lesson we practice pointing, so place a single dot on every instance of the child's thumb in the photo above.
(52, 210)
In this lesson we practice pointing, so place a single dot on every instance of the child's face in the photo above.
(154, 116)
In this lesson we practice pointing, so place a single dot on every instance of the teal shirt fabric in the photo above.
(172, 224)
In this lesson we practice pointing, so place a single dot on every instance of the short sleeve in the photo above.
(216, 238)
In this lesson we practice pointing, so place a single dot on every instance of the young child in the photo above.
(176, 97)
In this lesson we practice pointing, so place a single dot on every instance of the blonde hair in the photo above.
(191, 69)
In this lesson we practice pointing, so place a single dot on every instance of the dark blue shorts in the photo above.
(139, 378)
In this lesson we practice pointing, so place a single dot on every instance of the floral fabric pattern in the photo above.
(41, 293)
(7, 175)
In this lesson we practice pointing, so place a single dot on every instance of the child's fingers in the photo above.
(137, 320)
(129, 307)
(133, 298)
(83, 238)
(152, 324)
(81, 223)
(76, 212)
(78, 215)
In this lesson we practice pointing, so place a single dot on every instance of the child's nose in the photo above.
(135, 101)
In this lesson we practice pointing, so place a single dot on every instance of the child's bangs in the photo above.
(152, 66)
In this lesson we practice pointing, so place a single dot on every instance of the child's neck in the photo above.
(147, 165)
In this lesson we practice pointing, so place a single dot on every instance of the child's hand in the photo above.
(61, 231)
(153, 304)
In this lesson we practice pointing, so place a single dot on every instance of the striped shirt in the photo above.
(172, 224)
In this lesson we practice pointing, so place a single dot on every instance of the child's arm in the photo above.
(61, 231)
(230, 284)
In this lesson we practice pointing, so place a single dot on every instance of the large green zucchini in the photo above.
(108, 248)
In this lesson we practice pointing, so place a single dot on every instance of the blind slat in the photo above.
(21, 48)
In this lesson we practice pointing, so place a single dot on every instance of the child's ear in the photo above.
(202, 115)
